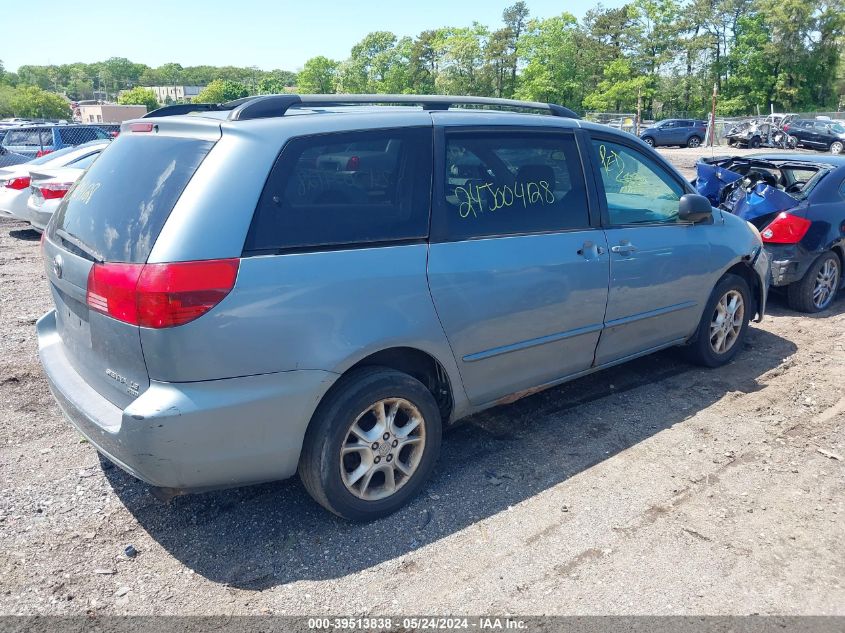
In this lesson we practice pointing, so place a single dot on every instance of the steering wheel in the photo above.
(796, 186)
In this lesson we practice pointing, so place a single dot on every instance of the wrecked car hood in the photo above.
(760, 200)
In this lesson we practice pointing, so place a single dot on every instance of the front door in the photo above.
(517, 270)
(659, 266)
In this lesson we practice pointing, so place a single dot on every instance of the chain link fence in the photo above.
(35, 140)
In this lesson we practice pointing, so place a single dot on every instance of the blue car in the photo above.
(798, 205)
(373, 274)
(38, 140)
(680, 132)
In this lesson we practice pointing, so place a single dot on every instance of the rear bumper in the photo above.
(789, 263)
(191, 436)
(39, 217)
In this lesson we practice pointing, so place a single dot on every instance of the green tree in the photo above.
(32, 101)
(619, 89)
(222, 90)
(276, 81)
(318, 76)
(515, 18)
(553, 70)
(139, 96)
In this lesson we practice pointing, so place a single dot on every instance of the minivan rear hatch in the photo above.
(111, 218)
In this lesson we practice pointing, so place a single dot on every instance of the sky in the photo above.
(263, 33)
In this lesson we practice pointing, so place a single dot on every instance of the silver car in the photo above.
(254, 290)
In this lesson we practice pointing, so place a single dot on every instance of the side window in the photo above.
(638, 190)
(46, 137)
(347, 188)
(512, 183)
(23, 137)
(77, 135)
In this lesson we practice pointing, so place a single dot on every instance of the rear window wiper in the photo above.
(86, 250)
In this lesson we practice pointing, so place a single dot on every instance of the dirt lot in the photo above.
(652, 488)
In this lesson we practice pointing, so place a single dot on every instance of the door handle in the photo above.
(623, 249)
(590, 250)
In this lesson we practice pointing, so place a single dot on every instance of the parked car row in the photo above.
(402, 268)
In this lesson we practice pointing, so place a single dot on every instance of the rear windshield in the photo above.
(117, 209)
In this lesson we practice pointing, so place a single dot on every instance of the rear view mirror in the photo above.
(694, 208)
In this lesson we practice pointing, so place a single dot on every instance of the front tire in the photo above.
(372, 444)
(836, 147)
(815, 292)
(754, 143)
(723, 325)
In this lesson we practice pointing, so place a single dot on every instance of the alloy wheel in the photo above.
(827, 281)
(694, 142)
(836, 147)
(382, 449)
(727, 322)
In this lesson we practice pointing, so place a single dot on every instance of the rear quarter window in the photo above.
(117, 209)
(342, 189)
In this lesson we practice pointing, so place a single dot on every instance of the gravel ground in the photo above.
(651, 488)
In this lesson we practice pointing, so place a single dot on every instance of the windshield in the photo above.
(836, 127)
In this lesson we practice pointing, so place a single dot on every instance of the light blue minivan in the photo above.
(321, 283)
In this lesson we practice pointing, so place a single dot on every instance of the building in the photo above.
(175, 94)
(108, 113)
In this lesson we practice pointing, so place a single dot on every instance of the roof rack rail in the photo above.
(266, 106)
(276, 105)
(184, 108)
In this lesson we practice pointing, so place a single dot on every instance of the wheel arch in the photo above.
(744, 269)
(415, 362)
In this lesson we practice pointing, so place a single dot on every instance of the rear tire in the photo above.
(694, 142)
(754, 143)
(816, 291)
(372, 444)
(724, 323)
(649, 141)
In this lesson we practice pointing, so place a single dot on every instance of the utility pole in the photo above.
(713, 116)
(639, 111)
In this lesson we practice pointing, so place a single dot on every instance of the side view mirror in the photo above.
(694, 208)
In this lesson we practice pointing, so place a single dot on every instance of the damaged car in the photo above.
(798, 205)
(755, 134)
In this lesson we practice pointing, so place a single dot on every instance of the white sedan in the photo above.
(15, 181)
(48, 187)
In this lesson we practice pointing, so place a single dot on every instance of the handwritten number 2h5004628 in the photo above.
(475, 199)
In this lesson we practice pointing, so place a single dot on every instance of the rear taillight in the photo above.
(353, 164)
(160, 295)
(19, 183)
(42, 152)
(785, 229)
(54, 191)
